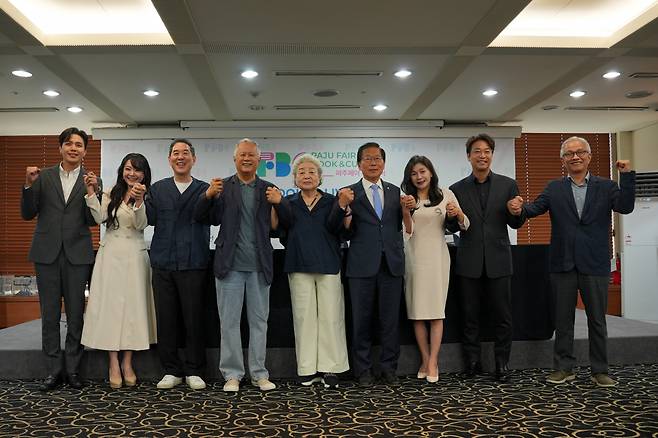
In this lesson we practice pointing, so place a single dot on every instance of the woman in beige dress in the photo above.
(120, 314)
(427, 260)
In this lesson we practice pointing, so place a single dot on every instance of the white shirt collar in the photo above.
(367, 184)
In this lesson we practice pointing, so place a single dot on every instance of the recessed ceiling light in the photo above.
(490, 92)
(249, 74)
(380, 107)
(151, 93)
(612, 75)
(74, 109)
(577, 93)
(404, 73)
(51, 93)
(22, 73)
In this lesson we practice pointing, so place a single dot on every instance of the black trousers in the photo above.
(58, 280)
(179, 295)
(381, 294)
(594, 292)
(496, 293)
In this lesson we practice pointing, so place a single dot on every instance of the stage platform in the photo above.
(630, 342)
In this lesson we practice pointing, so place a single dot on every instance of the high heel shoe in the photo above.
(129, 380)
(115, 384)
(433, 379)
(421, 374)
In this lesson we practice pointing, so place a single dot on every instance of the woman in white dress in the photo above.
(120, 314)
(427, 260)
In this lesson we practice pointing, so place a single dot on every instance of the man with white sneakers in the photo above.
(179, 257)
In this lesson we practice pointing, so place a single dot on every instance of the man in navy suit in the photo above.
(580, 206)
(62, 251)
(484, 257)
(375, 264)
(180, 254)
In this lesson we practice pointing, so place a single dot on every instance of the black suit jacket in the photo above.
(225, 210)
(369, 236)
(486, 242)
(583, 243)
(59, 224)
(179, 242)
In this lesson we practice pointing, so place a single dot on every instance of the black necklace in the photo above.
(315, 199)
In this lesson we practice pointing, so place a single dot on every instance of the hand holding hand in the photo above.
(215, 188)
(453, 210)
(515, 206)
(408, 202)
(137, 192)
(273, 195)
(31, 175)
(91, 181)
(345, 197)
(623, 166)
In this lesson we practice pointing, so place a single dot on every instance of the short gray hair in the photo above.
(572, 139)
(245, 140)
(306, 158)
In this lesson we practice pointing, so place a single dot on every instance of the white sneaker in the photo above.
(263, 384)
(169, 381)
(232, 385)
(195, 382)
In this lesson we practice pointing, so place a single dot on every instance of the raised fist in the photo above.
(31, 175)
(515, 206)
(215, 188)
(623, 166)
(273, 195)
(345, 197)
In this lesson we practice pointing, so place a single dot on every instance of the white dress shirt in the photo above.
(68, 180)
(380, 188)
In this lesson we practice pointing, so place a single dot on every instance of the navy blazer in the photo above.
(59, 224)
(370, 237)
(485, 247)
(583, 243)
(225, 210)
(312, 240)
(179, 242)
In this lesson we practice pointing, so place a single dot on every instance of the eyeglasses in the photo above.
(485, 152)
(373, 159)
(570, 155)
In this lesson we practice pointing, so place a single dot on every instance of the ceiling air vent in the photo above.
(606, 108)
(30, 109)
(327, 73)
(646, 185)
(315, 107)
(644, 75)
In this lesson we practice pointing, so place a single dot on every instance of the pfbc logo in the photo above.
(277, 161)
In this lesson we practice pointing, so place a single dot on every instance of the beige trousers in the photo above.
(318, 310)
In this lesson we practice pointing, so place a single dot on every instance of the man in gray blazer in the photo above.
(580, 206)
(62, 251)
(484, 256)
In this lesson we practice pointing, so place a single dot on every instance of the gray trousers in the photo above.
(58, 280)
(594, 293)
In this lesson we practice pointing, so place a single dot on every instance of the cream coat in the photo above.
(120, 313)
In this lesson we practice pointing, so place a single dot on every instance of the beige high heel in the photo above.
(433, 379)
(421, 374)
(115, 384)
(129, 381)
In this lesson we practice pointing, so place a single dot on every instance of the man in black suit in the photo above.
(484, 256)
(375, 264)
(580, 206)
(62, 251)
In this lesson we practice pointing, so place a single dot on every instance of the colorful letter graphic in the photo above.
(279, 161)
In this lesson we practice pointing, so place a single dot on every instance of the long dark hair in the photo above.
(436, 195)
(138, 162)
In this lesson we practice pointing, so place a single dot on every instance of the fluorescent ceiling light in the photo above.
(404, 73)
(490, 92)
(51, 93)
(249, 74)
(380, 107)
(151, 93)
(612, 75)
(577, 93)
(74, 109)
(22, 73)
(99, 22)
(576, 23)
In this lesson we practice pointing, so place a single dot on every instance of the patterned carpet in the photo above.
(526, 407)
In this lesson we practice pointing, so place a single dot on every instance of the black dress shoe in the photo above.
(502, 373)
(472, 368)
(51, 382)
(75, 381)
(366, 379)
(389, 377)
